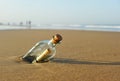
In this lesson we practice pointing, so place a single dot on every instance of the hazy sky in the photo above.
(61, 11)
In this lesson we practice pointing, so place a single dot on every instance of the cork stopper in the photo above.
(57, 38)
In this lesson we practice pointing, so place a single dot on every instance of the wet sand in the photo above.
(82, 56)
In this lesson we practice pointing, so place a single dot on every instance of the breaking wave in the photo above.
(115, 28)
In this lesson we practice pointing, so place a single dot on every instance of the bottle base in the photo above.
(29, 59)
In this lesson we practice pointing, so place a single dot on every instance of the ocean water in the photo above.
(110, 28)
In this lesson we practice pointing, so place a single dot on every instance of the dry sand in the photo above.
(82, 56)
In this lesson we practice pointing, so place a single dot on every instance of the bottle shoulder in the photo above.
(46, 43)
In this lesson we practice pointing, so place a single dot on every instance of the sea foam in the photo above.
(115, 28)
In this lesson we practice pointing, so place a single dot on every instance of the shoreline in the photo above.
(59, 30)
(87, 27)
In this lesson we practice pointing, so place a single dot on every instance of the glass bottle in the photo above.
(43, 51)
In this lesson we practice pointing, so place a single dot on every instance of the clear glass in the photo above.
(43, 51)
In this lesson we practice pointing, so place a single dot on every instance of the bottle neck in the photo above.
(52, 42)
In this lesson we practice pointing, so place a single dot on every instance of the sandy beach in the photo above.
(82, 56)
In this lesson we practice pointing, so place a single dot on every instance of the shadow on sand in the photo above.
(72, 61)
